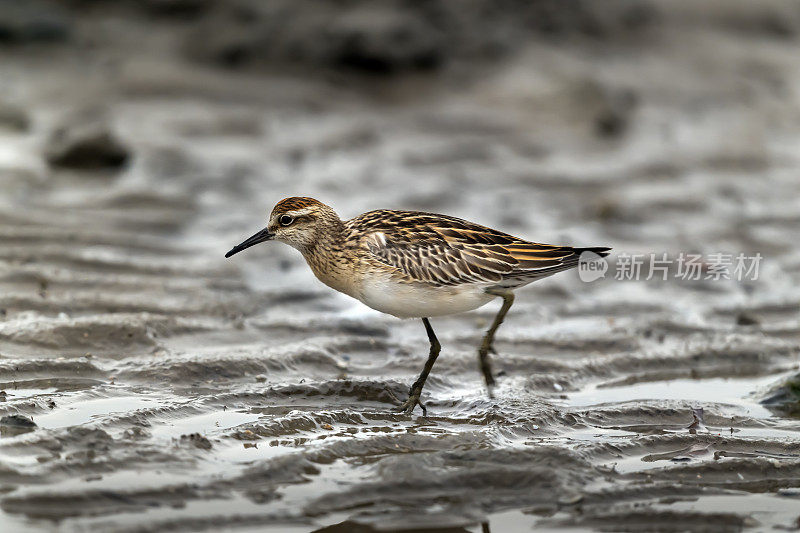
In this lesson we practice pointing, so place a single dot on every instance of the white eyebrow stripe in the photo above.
(298, 212)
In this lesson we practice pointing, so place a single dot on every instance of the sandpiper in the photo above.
(415, 265)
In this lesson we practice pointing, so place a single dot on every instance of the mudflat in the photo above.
(148, 384)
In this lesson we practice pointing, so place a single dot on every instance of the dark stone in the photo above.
(784, 397)
(17, 421)
(746, 319)
(610, 124)
(197, 440)
(13, 425)
(614, 118)
(85, 143)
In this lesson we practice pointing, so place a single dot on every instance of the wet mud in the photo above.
(148, 384)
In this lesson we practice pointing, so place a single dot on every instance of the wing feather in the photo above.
(449, 251)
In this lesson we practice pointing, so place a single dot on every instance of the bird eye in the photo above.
(285, 220)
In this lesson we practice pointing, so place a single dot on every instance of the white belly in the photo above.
(419, 300)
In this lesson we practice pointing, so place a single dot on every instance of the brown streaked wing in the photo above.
(449, 251)
(438, 263)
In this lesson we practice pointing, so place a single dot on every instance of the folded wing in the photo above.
(449, 251)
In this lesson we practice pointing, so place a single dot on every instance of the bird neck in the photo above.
(327, 258)
(327, 239)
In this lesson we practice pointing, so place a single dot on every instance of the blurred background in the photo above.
(150, 384)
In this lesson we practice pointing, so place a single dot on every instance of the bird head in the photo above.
(298, 221)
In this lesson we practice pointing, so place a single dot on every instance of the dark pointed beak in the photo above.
(261, 236)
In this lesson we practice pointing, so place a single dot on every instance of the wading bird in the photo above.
(415, 265)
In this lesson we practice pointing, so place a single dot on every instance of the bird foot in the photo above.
(413, 400)
(407, 406)
(490, 390)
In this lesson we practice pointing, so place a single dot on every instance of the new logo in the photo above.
(591, 267)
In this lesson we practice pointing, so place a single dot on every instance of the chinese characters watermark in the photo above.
(686, 266)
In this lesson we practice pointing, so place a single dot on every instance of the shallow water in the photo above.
(734, 392)
(175, 390)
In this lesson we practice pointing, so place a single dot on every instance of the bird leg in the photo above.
(488, 341)
(416, 389)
